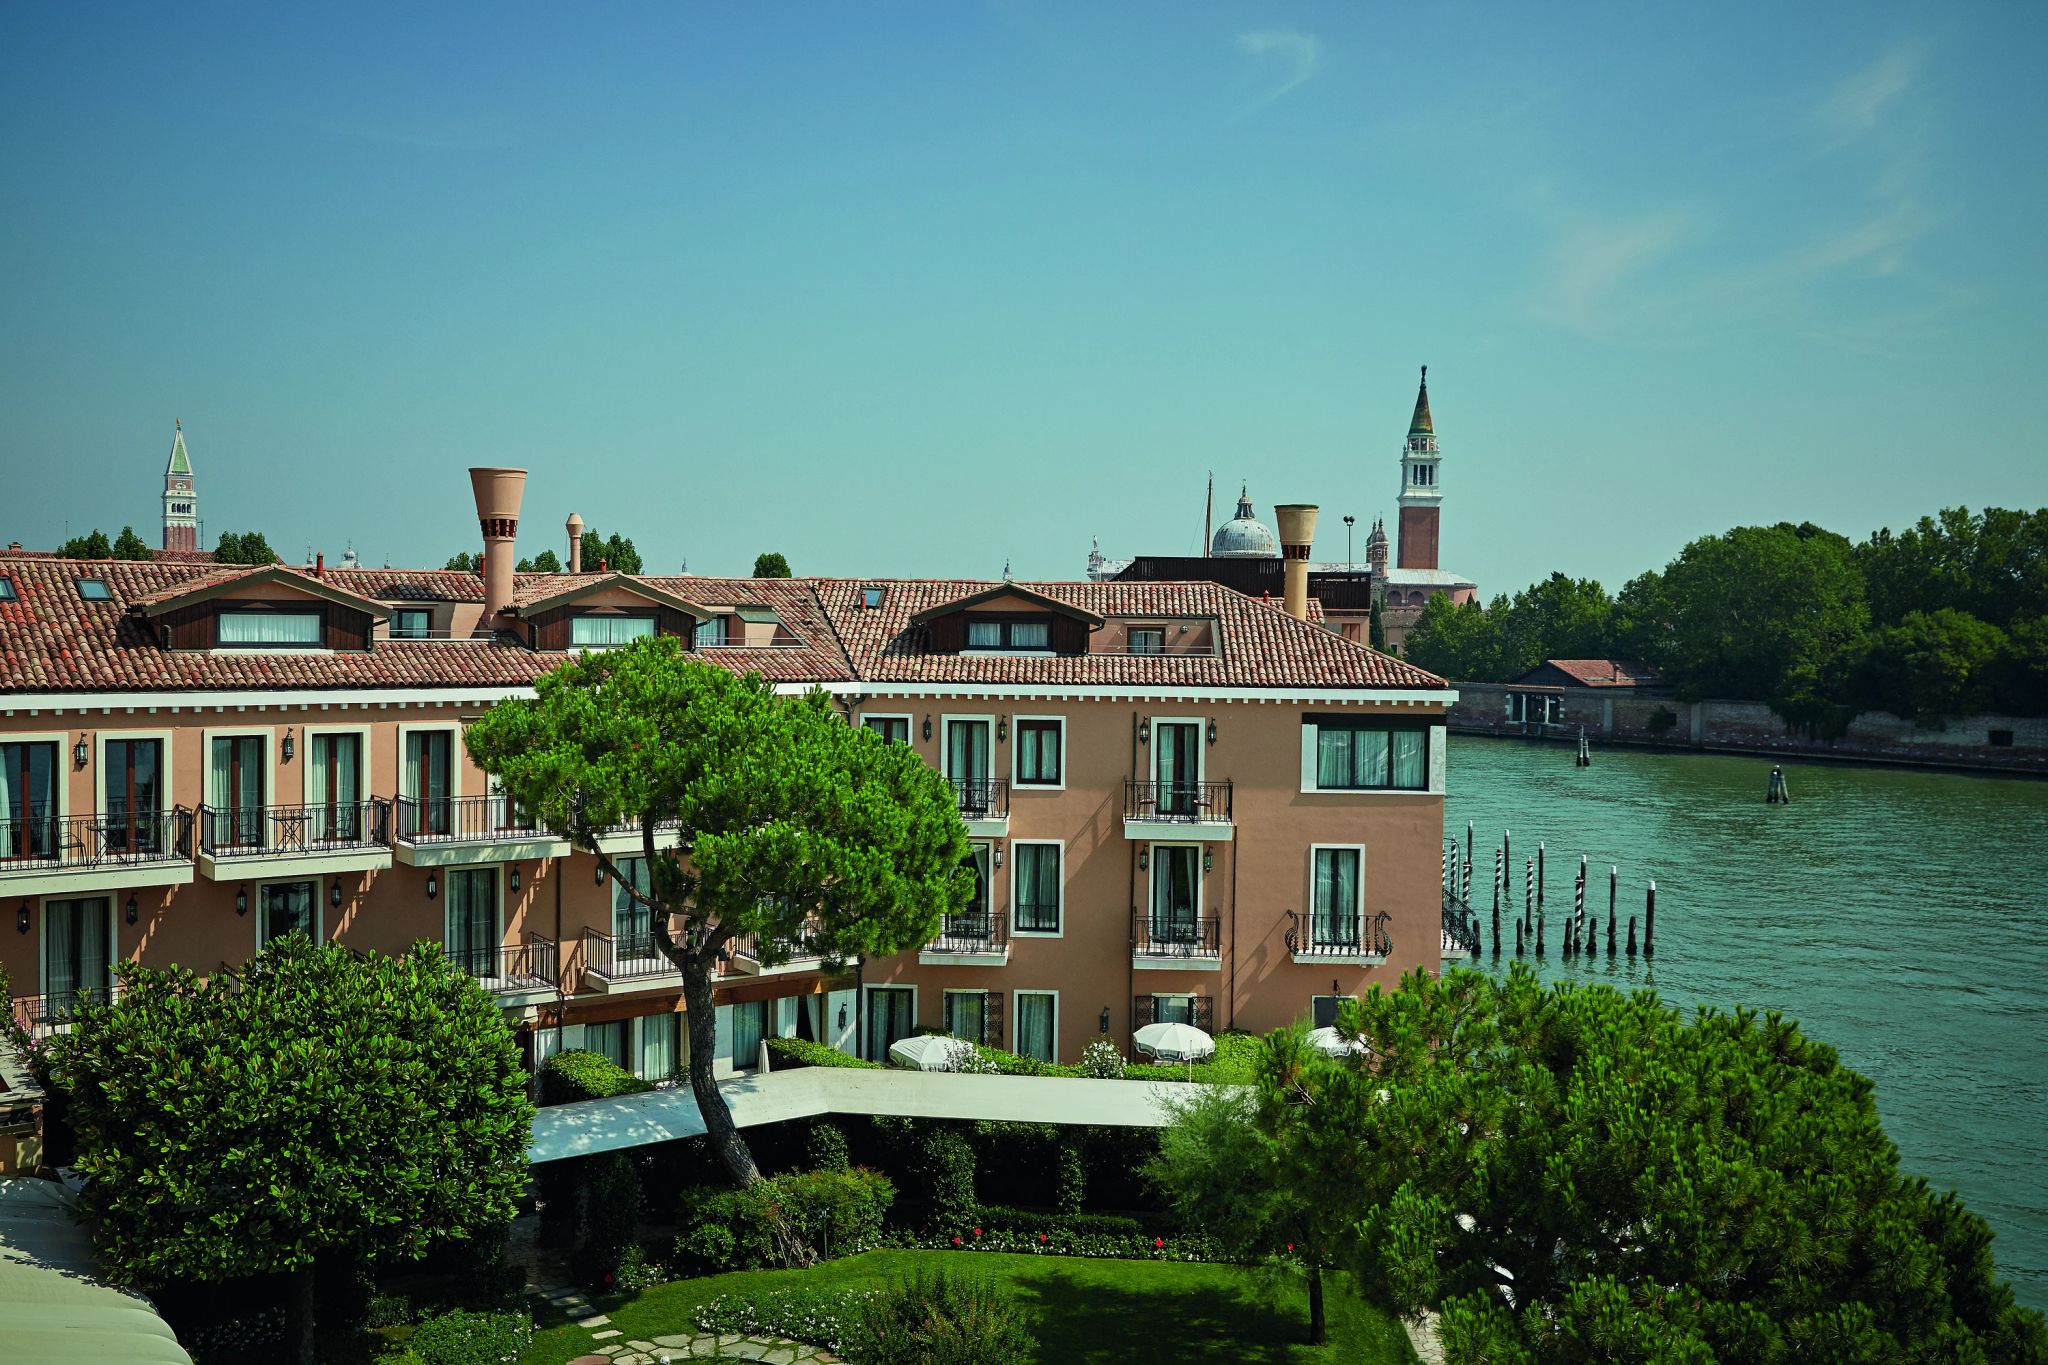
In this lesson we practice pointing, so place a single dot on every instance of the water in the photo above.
(1894, 914)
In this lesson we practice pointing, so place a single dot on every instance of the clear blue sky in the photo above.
(916, 288)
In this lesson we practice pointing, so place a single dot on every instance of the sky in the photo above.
(929, 289)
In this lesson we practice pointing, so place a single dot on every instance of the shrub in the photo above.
(1141, 1246)
(583, 1075)
(996, 1218)
(389, 1310)
(826, 1147)
(787, 1054)
(465, 1338)
(935, 1317)
(727, 1229)
(1102, 1061)
(945, 1171)
(821, 1317)
(1070, 1177)
(1661, 720)
(638, 1270)
(611, 1216)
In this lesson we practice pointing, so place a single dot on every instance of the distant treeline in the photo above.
(1947, 618)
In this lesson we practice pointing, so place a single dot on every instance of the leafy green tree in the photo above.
(1226, 1172)
(547, 561)
(317, 1100)
(1933, 665)
(614, 551)
(801, 829)
(1993, 566)
(771, 564)
(2020, 680)
(91, 546)
(249, 547)
(1376, 627)
(1646, 1187)
(465, 561)
(1451, 640)
(1755, 611)
(128, 545)
(1639, 628)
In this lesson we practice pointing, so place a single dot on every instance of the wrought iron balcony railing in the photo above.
(46, 841)
(1186, 803)
(978, 934)
(285, 831)
(41, 1013)
(1337, 935)
(511, 968)
(1176, 936)
(460, 819)
(628, 957)
(1199, 1010)
(803, 948)
(983, 798)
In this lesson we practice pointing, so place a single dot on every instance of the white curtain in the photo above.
(60, 944)
(1336, 919)
(601, 631)
(968, 759)
(1028, 635)
(287, 906)
(749, 1026)
(607, 1040)
(269, 628)
(1408, 765)
(967, 1015)
(660, 1057)
(1034, 1025)
(631, 919)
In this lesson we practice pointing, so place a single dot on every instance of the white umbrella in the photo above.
(1175, 1042)
(929, 1052)
(1326, 1041)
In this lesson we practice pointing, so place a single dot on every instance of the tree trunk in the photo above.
(1317, 1335)
(298, 1316)
(724, 1137)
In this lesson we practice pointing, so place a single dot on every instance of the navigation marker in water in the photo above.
(1650, 923)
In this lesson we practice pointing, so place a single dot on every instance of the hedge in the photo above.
(463, 1338)
(788, 1054)
(728, 1229)
(583, 1075)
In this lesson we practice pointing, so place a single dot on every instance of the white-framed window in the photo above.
(1336, 894)
(94, 590)
(237, 787)
(709, 633)
(1173, 1009)
(7, 592)
(287, 907)
(894, 729)
(871, 597)
(1178, 759)
(967, 1015)
(1176, 902)
(256, 628)
(1037, 1030)
(1147, 639)
(607, 631)
(78, 948)
(1039, 753)
(968, 756)
(411, 623)
(608, 1040)
(1037, 887)
(1009, 634)
(890, 1015)
(336, 806)
(472, 934)
(1358, 753)
(134, 789)
(632, 920)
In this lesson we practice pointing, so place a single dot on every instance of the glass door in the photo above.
(890, 1018)
(238, 788)
(973, 922)
(967, 751)
(1335, 924)
(28, 800)
(76, 950)
(1174, 873)
(285, 907)
(337, 814)
(134, 779)
(1034, 1025)
(426, 770)
(473, 919)
(1177, 746)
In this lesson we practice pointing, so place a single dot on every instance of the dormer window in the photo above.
(604, 632)
(412, 623)
(1148, 639)
(94, 590)
(270, 629)
(1006, 634)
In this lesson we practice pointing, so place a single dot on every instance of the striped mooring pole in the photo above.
(1579, 905)
(1500, 875)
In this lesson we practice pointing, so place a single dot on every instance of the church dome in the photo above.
(1244, 536)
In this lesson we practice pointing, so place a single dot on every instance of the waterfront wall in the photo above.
(2008, 743)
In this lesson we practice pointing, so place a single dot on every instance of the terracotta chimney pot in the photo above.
(1297, 533)
(497, 492)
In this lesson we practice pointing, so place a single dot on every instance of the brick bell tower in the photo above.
(181, 503)
(1421, 492)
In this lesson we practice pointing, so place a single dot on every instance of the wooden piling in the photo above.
(1650, 922)
(1518, 938)
(1539, 936)
(1467, 897)
(1613, 881)
(1631, 935)
(1539, 879)
(1528, 890)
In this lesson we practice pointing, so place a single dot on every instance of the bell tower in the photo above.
(1421, 491)
(181, 502)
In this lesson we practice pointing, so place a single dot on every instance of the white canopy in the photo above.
(929, 1052)
(1175, 1042)
(1327, 1041)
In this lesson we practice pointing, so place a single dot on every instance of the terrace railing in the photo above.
(1176, 936)
(1186, 803)
(983, 798)
(459, 819)
(627, 957)
(285, 831)
(977, 934)
(39, 1014)
(512, 967)
(1315, 935)
(47, 841)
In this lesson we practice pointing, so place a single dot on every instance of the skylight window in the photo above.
(94, 590)
(7, 593)
(871, 598)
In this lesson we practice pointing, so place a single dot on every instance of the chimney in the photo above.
(320, 565)
(1297, 532)
(575, 543)
(497, 514)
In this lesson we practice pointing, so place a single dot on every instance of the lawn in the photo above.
(1081, 1310)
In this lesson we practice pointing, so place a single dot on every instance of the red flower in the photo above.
(977, 1232)
(1041, 1237)
(1290, 1246)
(1158, 1242)
(956, 1241)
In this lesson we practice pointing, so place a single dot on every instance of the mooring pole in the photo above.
(1472, 925)
(1539, 879)
(1518, 938)
(1539, 936)
(1650, 923)
(1500, 873)
(1528, 890)
(1467, 897)
(1613, 888)
(1579, 904)
(1631, 935)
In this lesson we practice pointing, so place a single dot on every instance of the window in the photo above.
(892, 1015)
(1037, 1024)
(871, 598)
(75, 949)
(894, 729)
(709, 633)
(1335, 890)
(427, 754)
(1176, 894)
(1148, 640)
(1351, 756)
(7, 592)
(632, 920)
(28, 800)
(1038, 888)
(473, 921)
(1177, 766)
(134, 778)
(1173, 1009)
(1000, 634)
(1038, 753)
(411, 624)
(607, 1040)
(973, 922)
(602, 632)
(283, 908)
(1326, 1007)
(94, 590)
(967, 750)
(664, 1047)
(336, 774)
(749, 1027)
(237, 776)
(967, 1015)
(269, 628)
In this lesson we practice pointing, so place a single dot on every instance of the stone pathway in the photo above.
(609, 1345)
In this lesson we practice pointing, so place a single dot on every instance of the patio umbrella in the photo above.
(1326, 1041)
(1175, 1042)
(929, 1052)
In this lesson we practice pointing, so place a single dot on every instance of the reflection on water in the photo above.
(1895, 914)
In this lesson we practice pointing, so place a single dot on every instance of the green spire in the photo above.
(181, 463)
(1419, 425)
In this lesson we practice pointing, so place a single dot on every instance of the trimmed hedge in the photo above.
(822, 1317)
(788, 1054)
(728, 1229)
(1093, 1245)
(580, 1074)
(464, 1338)
(1031, 1222)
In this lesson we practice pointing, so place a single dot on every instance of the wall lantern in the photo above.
(1145, 859)
(134, 910)
(433, 887)
(1002, 728)
(334, 894)
(290, 745)
(999, 855)
(21, 918)
(600, 873)
(1145, 731)
(1105, 1018)
(515, 879)
(1212, 729)
(927, 725)
(241, 900)
(80, 751)
(842, 1018)
(1333, 987)
(1208, 859)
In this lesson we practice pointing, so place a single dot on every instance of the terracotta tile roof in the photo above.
(51, 640)
(1605, 672)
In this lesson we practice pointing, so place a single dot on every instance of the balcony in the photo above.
(435, 832)
(515, 973)
(1338, 940)
(744, 957)
(1190, 810)
(42, 1015)
(624, 840)
(1177, 943)
(629, 962)
(985, 805)
(56, 856)
(977, 939)
(237, 843)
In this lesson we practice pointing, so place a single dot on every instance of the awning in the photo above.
(54, 1310)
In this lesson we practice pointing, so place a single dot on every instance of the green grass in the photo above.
(1081, 1310)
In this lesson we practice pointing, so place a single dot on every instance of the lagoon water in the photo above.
(1898, 915)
